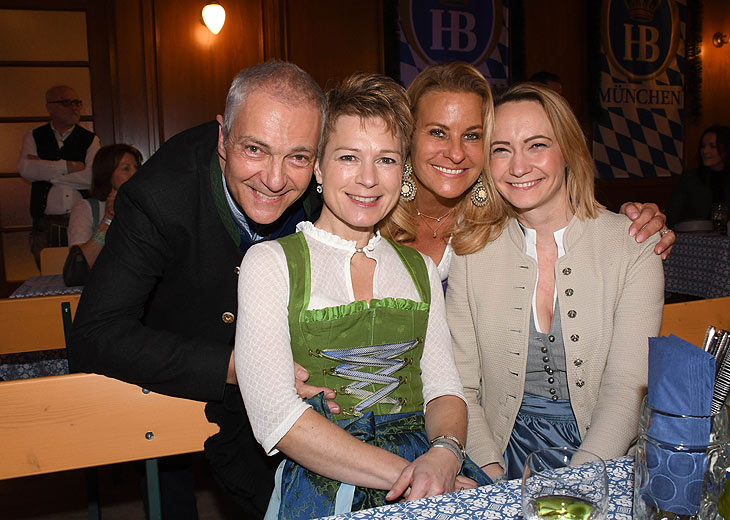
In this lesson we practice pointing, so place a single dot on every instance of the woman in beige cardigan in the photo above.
(550, 317)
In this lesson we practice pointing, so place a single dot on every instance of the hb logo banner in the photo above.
(474, 31)
(640, 133)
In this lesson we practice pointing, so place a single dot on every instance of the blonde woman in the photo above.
(365, 316)
(551, 313)
(440, 211)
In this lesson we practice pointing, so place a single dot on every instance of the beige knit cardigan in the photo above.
(611, 294)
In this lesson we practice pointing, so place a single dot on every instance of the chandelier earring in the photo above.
(408, 187)
(479, 195)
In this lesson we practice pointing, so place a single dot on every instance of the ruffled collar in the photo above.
(335, 241)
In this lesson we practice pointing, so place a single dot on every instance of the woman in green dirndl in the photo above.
(364, 316)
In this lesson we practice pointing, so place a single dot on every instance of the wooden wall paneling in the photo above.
(556, 41)
(195, 67)
(274, 34)
(133, 81)
(331, 39)
(97, 30)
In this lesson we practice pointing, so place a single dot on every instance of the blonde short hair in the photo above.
(370, 96)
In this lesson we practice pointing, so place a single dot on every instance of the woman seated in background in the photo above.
(699, 192)
(550, 315)
(439, 211)
(365, 316)
(90, 218)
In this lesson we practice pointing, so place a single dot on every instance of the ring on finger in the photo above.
(665, 231)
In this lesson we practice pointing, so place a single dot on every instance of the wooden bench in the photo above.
(79, 421)
(689, 320)
(39, 323)
(76, 421)
(53, 259)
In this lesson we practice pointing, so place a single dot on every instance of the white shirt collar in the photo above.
(336, 241)
(531, 241)
(531, 251)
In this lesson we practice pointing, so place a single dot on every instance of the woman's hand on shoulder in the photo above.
(433, 473)
(647, 221)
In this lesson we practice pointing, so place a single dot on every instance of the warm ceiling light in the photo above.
(214, 17)
(719, 39)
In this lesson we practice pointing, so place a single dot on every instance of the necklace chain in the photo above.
(434, 230)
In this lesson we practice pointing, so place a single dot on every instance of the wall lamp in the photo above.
(719, 39)
(214, 16)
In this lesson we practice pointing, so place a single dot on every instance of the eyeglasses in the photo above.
(69, 102)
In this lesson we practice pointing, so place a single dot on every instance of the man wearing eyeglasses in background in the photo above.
(56, 158)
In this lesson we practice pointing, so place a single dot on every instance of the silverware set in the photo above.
(716, 343)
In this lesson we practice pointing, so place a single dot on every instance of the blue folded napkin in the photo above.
(681, 377)
(681, 383)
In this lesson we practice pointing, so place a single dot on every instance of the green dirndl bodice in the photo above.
(370, 352)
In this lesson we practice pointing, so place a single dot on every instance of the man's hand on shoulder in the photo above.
(304, 390)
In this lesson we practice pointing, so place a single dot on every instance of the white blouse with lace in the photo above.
(263, 357)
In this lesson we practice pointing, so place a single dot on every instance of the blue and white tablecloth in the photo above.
(499, 501)
(699, 265)
(48, 285)
(24, 365)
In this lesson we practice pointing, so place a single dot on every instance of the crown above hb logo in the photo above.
(642, 10)
(455, 3)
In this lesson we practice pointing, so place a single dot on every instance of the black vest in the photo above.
(73, 149)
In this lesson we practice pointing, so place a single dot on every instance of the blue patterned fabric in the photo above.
(24, 365)
(540, 423)
(500, 501)
(47, 285)
(494, 66)
(699, 265)
(306, 495)
(635, 138)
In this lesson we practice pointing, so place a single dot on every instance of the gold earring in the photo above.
(408, 187)
(479, 193)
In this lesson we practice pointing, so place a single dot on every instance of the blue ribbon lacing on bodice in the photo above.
(356, 358)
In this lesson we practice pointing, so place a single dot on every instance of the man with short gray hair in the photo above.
(160, 307)
(56, 158)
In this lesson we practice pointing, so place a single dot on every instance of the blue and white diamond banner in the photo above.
(640, 132)
(474, 31)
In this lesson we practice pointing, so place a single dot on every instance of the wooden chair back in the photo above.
(76, 421)
(53, 259)
(30, 324)
(689, 320)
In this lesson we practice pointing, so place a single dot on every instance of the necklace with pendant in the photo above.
(437, 219)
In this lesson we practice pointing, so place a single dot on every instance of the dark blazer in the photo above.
(159, 308)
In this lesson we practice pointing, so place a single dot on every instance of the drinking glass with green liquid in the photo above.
(564, 484)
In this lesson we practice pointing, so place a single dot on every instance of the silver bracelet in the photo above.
(107, 221)
(443, 443)
(452, 439)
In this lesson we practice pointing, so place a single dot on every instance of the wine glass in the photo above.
(564, 484)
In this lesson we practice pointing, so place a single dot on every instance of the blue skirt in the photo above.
(300, 494)
(540, 423)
